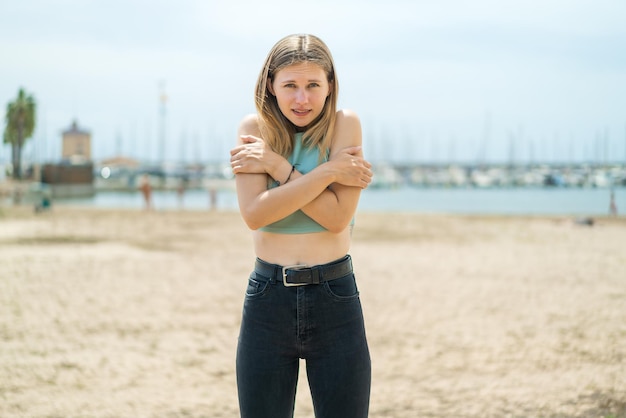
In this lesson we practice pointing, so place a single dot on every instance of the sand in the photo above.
(125, 313)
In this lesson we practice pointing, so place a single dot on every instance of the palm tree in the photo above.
(20, 125)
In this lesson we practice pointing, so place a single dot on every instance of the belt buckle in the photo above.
(293, 267)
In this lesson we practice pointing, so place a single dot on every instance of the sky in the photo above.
(432, 81)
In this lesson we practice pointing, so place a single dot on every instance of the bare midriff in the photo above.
(309, 249)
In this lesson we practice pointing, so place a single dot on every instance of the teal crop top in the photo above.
(305, 159)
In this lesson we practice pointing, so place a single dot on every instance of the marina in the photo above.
(386, 175)
(581, 190)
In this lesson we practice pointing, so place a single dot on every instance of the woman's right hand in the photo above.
(350, 168)
(252, 156)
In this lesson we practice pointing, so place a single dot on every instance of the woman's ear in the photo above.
(270, 86)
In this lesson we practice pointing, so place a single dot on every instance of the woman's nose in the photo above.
(301, 96)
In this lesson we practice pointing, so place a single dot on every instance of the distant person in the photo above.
(146, 191)
(612, 205)
(212, 198)
(180, 191)
(18, 193)
(299, 172)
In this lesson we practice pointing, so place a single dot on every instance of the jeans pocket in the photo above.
(257, 286)
(342, 289)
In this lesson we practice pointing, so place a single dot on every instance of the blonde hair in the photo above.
(275, 128)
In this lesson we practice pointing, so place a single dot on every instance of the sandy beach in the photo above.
(127, 313)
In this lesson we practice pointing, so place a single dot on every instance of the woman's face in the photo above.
(301, 91)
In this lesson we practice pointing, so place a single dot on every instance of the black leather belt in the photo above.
(300, 275)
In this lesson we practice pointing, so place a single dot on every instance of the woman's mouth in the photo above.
(301, 112)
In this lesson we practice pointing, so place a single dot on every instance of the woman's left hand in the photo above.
(252, 157)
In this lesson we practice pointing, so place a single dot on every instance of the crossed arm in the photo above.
(328, 194)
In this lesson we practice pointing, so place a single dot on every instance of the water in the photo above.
(515, 201)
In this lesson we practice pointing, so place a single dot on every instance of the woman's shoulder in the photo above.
(347, 129)
(249, 125)
(347, 116)
(347, 121)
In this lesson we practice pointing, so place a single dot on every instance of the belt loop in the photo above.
(277, 276)
(316, 275)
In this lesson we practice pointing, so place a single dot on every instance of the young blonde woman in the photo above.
(299, 174)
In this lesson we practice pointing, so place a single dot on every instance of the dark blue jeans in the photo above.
(322, 324)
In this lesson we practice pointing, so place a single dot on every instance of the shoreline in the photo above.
(590, 202)
(12, 211)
